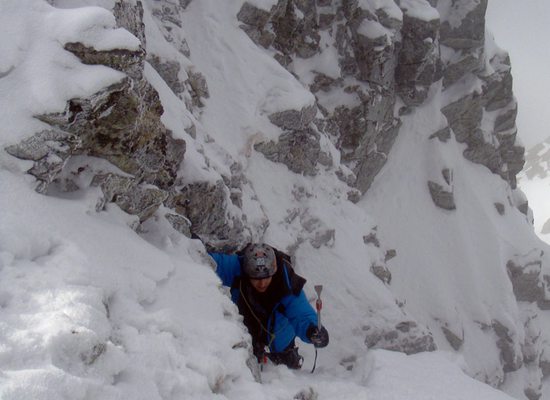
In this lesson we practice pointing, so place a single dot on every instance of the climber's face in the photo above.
(261, 285)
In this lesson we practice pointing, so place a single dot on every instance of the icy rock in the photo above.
(179, 223)
(527, 280)
(469, 32)
(381, 272)
(49, 149)
(168, 70)
(454, 340)
(455, 70)
(442, 135)
(253, 16)
(132, 198)
(419, 63)
(299, 150)
(464, 116)
(405, 336)
(497, 88)
(168, 16)
(441, 197)
(130, 17)
(510, 354)
(205, 205)
(506, 120)
(294, 119)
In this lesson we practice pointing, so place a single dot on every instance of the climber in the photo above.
(270, 298)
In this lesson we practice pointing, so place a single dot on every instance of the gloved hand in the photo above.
(259, 351)
(319, 337)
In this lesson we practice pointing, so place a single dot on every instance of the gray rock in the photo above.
(199, 87)
(130, 17)
(49, 149)
(128, 61)
(371, 238)
(497, 88)
(260, 37)
(471, 31)
(544, 366)
(441, 197)
(464, 116)
(391, 253)
(374, 156)
(294, 119)
(511, 360)
(526, 280)
(500, 208)
(456, 70)
(205, 205)
(406, 337)
(113, 124)
(168, 71)
(168, 16)
(251, 15)
(323, 238)
(506, 121)
(443, 134)
(381, 272)
(419, 63)
(132, 198)
(298, 150)
(179, 223)
(447, 175)
(454, 340)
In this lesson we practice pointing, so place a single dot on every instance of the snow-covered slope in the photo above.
(103, 296)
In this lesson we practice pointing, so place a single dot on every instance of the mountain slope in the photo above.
(348, 144)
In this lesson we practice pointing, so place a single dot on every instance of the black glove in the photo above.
(319, 337)
(259, 351)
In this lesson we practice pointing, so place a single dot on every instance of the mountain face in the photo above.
(374, 141)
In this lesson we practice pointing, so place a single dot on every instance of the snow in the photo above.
(374, 30)
(537, 192)
(90, 309)
(435, 278)
(36, 67)
(251, 92)
(388, 6)
(419, 9)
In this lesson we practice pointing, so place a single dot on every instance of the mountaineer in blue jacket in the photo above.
(270, 298)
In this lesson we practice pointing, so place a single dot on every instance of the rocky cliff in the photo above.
(352, 72)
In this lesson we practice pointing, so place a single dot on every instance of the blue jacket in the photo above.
(273, 321)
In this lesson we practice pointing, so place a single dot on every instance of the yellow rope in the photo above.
(272, 335)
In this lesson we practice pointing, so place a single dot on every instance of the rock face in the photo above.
(388, 59)
(392, 55)
(120, 124)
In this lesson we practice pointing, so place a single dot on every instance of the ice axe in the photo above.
(318, 307)
(318, 304)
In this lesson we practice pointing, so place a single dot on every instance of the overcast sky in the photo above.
(522, 27)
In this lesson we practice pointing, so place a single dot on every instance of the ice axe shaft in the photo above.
(318, 304)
